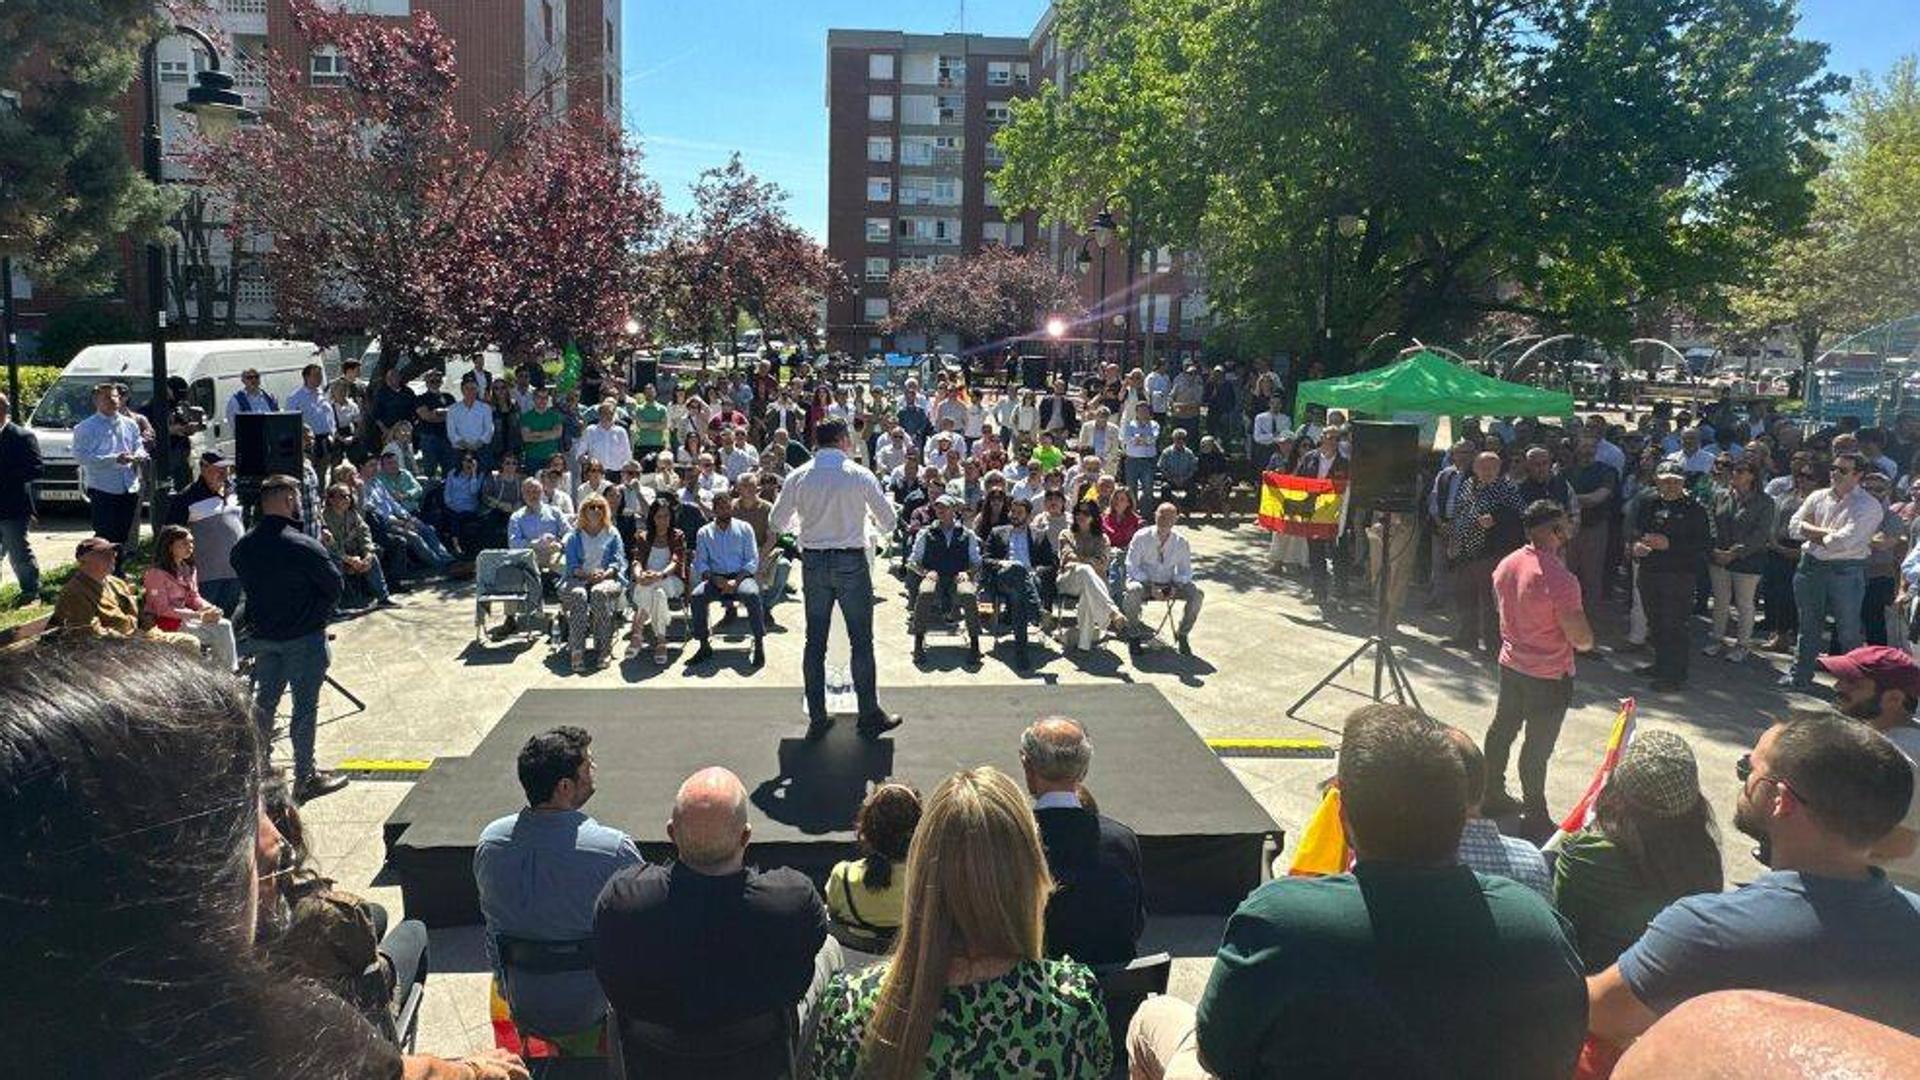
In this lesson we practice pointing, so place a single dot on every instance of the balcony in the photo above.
(243, 16)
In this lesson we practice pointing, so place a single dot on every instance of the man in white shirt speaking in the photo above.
(827, 503)
(1837, 523)
(1159, 567)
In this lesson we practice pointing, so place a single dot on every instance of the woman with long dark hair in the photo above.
(864, 894)
(996, 509)
(659, 561)
(1652, 842)
(173, 597)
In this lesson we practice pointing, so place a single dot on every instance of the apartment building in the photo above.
(910, 122)
(910, 118)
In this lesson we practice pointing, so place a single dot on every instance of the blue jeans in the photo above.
(26, 569)
(1137, 475)
(838, 577)
(302, 664)
(747, 594)
(1821, 587)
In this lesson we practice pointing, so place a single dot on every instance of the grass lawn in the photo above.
(13, 613)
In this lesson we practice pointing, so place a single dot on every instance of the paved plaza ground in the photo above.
(431, 692)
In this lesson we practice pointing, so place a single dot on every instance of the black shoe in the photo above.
(872, 727)
(387, 602)
(1185, 648)
(1647, 669)
(1499, 804)
(701, 655)
(973, 654)
(759, 658)
(817, 729)
(919, 650)
(1668, 685)
(308, 788)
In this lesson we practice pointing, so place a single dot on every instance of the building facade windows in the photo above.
(1011, 234)
(879, 149)
(879, 189)
(880, 66)
(880, 107)
(874, 308)
(998, 113)
(953, 108)
(952, 71)
(877, 267)
(1007, 73)
(326, 67)
(879, 229)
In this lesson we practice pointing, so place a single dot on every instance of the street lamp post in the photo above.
(220, 110)
(1346, 226)
(1103, 230)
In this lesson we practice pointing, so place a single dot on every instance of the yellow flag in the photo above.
(1323, 845)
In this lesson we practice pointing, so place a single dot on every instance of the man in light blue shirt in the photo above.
(310, 401)
(537, 526)
(108, 449)
(726, 560)
(538, 873)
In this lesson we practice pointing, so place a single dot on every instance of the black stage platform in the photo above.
(1201, 834)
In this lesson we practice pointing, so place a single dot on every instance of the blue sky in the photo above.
(707, 77)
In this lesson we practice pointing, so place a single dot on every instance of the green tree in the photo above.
(1574, 161)
(1857, 262)
(67, 191)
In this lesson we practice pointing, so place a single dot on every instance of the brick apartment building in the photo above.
(910, 122)
(566, 50)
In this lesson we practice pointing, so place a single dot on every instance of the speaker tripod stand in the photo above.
(1388, 677)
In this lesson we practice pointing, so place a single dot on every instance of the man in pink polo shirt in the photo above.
(1542, 624)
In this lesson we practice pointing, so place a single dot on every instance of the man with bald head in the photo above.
(706, 941)
(1099, 908)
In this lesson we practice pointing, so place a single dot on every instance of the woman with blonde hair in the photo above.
(596, 575)
(968, 990)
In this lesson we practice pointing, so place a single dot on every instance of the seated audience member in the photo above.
(726, 566)
(1409, 965)
(992, 510)
(1212, 477)
(312, 930)
(1651, 842)
(864, 894)
(1098, 907)
(756, 509)
(383, 513)
(538, 873)
(174, 602)
(941, 570)
(537, 526)
(130, 884)
(596, 573)
(399, 483)
(1178, 464)
(1484, 849)
(461, 496)
(1818, 791)
(1160, 567)
(1085, 559)
(968, 990)
(344, 533)
(707, 940)
(1053, 520)
(660, 567)
(97, 602)
(1020, 566)
(1880, 685)
(1737, 1033)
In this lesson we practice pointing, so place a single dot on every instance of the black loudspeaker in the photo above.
(1386, 465)
(646, 372)
(1033, 372)
(265, 444)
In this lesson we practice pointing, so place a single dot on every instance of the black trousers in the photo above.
(1873, 609)
(1322, 554)
(1776, 595)
(1667, 598)
(1478, 615)
(114, 517)
(1537, 706)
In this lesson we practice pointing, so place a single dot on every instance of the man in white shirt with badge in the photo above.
(1160, 567)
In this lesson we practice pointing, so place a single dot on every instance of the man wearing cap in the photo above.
(950, 555)
(1881, 685)
(292, 586)
(1674, 537)
(211, 512)
(1542, 624)
(1837, 523)
(95, 601)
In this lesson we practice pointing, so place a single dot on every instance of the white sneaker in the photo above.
(1712, 650)
(1737, 654)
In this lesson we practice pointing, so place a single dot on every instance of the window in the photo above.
(998, 113)
(879, 65)
(173, 71)
(992, 196)
(874, 308)
(1011, 234)
(1156, 314)
(952, 71)
(946, 190)
(996, 157)
(880, 106)
(879, 189)
(879, 229)
(1021, 73)
(999, 73)
(327, 67)
(952, 108)
(877, 268)
(879, 149)
(931, 150)
(613, 39)
(546, 19)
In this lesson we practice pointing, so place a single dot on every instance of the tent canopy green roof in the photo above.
(1427, 382)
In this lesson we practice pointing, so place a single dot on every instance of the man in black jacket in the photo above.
(19, 468)
(1099, 908)
(1021, 565)
(1675, 535)
(291, 586)
(1326, 462)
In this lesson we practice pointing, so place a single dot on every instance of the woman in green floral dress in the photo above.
(967, 992)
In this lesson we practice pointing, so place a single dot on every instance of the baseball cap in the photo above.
(1669, 468)
(953, 502)
(1886, 667)
(1657, 774)
(92, 544)
(215, 457)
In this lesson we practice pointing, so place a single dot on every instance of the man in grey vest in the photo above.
(949, 555)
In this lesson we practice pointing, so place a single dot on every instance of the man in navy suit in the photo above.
(1099, 908)
(1021, 565)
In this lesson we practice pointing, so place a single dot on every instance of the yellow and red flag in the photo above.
(1617, 741)
(1304, 506)
(1323, 845)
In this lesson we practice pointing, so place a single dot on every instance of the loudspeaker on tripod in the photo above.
(1386, 465)
(266, 443)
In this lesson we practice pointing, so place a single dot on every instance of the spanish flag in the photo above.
(1303, 506)
(1323, 845)
(1617, 741)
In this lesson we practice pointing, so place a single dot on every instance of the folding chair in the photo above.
(763, 1046)
(543, 958)
(510, 579)
(1124, 987)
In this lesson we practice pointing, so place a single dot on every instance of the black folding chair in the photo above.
(1125, 986)
(543, 958)
(762, 1047)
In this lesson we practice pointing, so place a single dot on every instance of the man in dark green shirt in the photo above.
(541, 429)
(1410, 965)
(649, 425)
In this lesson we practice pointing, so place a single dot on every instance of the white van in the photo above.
(211, 370)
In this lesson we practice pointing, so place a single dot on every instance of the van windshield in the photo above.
(70, 400)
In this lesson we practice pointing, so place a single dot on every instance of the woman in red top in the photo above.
(1120, 522)
(174, 600)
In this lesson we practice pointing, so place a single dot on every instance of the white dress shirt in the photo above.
(1850, 523)
(832, 497)
(1270, 428)
(470, 427)
(1153, 562)
(610, 446)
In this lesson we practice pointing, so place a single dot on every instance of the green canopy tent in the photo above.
(1429, 383)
